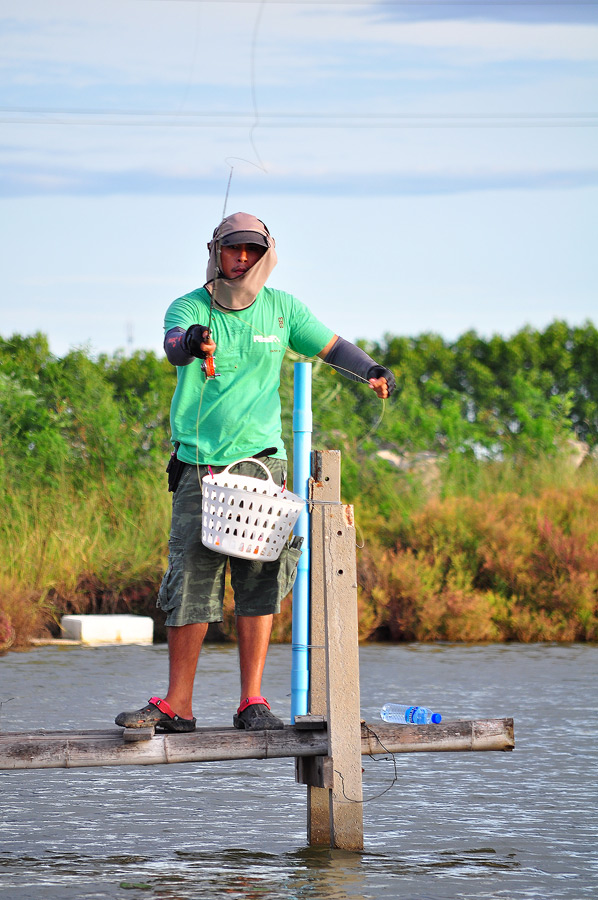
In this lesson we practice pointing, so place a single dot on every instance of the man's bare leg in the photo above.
(253, 634)
(184, 645)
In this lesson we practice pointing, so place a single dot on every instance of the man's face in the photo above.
(236, 259)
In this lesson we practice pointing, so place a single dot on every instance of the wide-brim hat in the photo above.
(239, 293)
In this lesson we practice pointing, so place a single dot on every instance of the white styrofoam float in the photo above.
(120, 629)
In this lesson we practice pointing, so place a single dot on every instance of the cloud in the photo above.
(103, 46)
(98, 43)
(534, 11)
(26, 181)
(169, 66)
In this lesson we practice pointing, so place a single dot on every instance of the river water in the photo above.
(450, 826)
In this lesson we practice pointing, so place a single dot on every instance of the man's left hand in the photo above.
(380, 385)
(384, 383)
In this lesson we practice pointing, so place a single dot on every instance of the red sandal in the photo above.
(254, 715)
(157, 713)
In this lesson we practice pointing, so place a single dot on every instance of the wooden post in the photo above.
(334, 815)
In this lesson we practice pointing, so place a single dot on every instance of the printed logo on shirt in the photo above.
(265, 339)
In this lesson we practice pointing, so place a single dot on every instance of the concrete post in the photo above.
(334, 816)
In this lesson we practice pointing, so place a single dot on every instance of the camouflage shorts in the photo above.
(192, 589)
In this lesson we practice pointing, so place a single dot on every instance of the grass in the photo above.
(491, 552)
(80, 549)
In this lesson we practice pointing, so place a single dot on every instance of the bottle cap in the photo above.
(436, 718)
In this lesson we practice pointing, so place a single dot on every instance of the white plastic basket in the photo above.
(245, 516)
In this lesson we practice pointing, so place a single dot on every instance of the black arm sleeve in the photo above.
(356, 365)
(174, 347)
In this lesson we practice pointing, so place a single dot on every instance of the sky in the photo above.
(423, 166)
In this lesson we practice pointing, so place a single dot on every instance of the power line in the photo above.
(445, 3)
(80, 110)
(317, 120)
(322, 127)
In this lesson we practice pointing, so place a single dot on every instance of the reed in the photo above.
(493, 565)
(66, 548)
(492, 552)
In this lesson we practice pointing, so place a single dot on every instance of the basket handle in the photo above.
(251, 459)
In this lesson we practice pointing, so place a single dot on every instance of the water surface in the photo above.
(518, 826)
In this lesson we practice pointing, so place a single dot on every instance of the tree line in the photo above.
(484, 398)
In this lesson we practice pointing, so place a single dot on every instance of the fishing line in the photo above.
(303, 358)
(230, 178)
(256, 113)
(2, 702)
(253, 82)
(259, 165)
(209, 366)
(362, 538)
(194, 53)
(299, 356)
(375, 759)
(213, 299)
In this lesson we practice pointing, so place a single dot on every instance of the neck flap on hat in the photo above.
(239, 293)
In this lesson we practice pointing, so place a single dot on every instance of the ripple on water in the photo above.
(464, 826)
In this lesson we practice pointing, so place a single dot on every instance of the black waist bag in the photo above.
(175, 469)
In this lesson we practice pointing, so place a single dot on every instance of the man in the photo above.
(224, 410)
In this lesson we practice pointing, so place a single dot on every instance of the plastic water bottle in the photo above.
(418, 715)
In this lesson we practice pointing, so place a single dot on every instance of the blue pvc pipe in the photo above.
(302, 429)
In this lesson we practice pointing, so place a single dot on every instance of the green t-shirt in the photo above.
(220, 420)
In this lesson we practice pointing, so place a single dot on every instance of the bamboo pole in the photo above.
(447, 737)
(72, 749)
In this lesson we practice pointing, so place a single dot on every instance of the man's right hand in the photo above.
(198, 342)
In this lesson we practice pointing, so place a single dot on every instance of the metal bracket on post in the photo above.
(315, 771)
